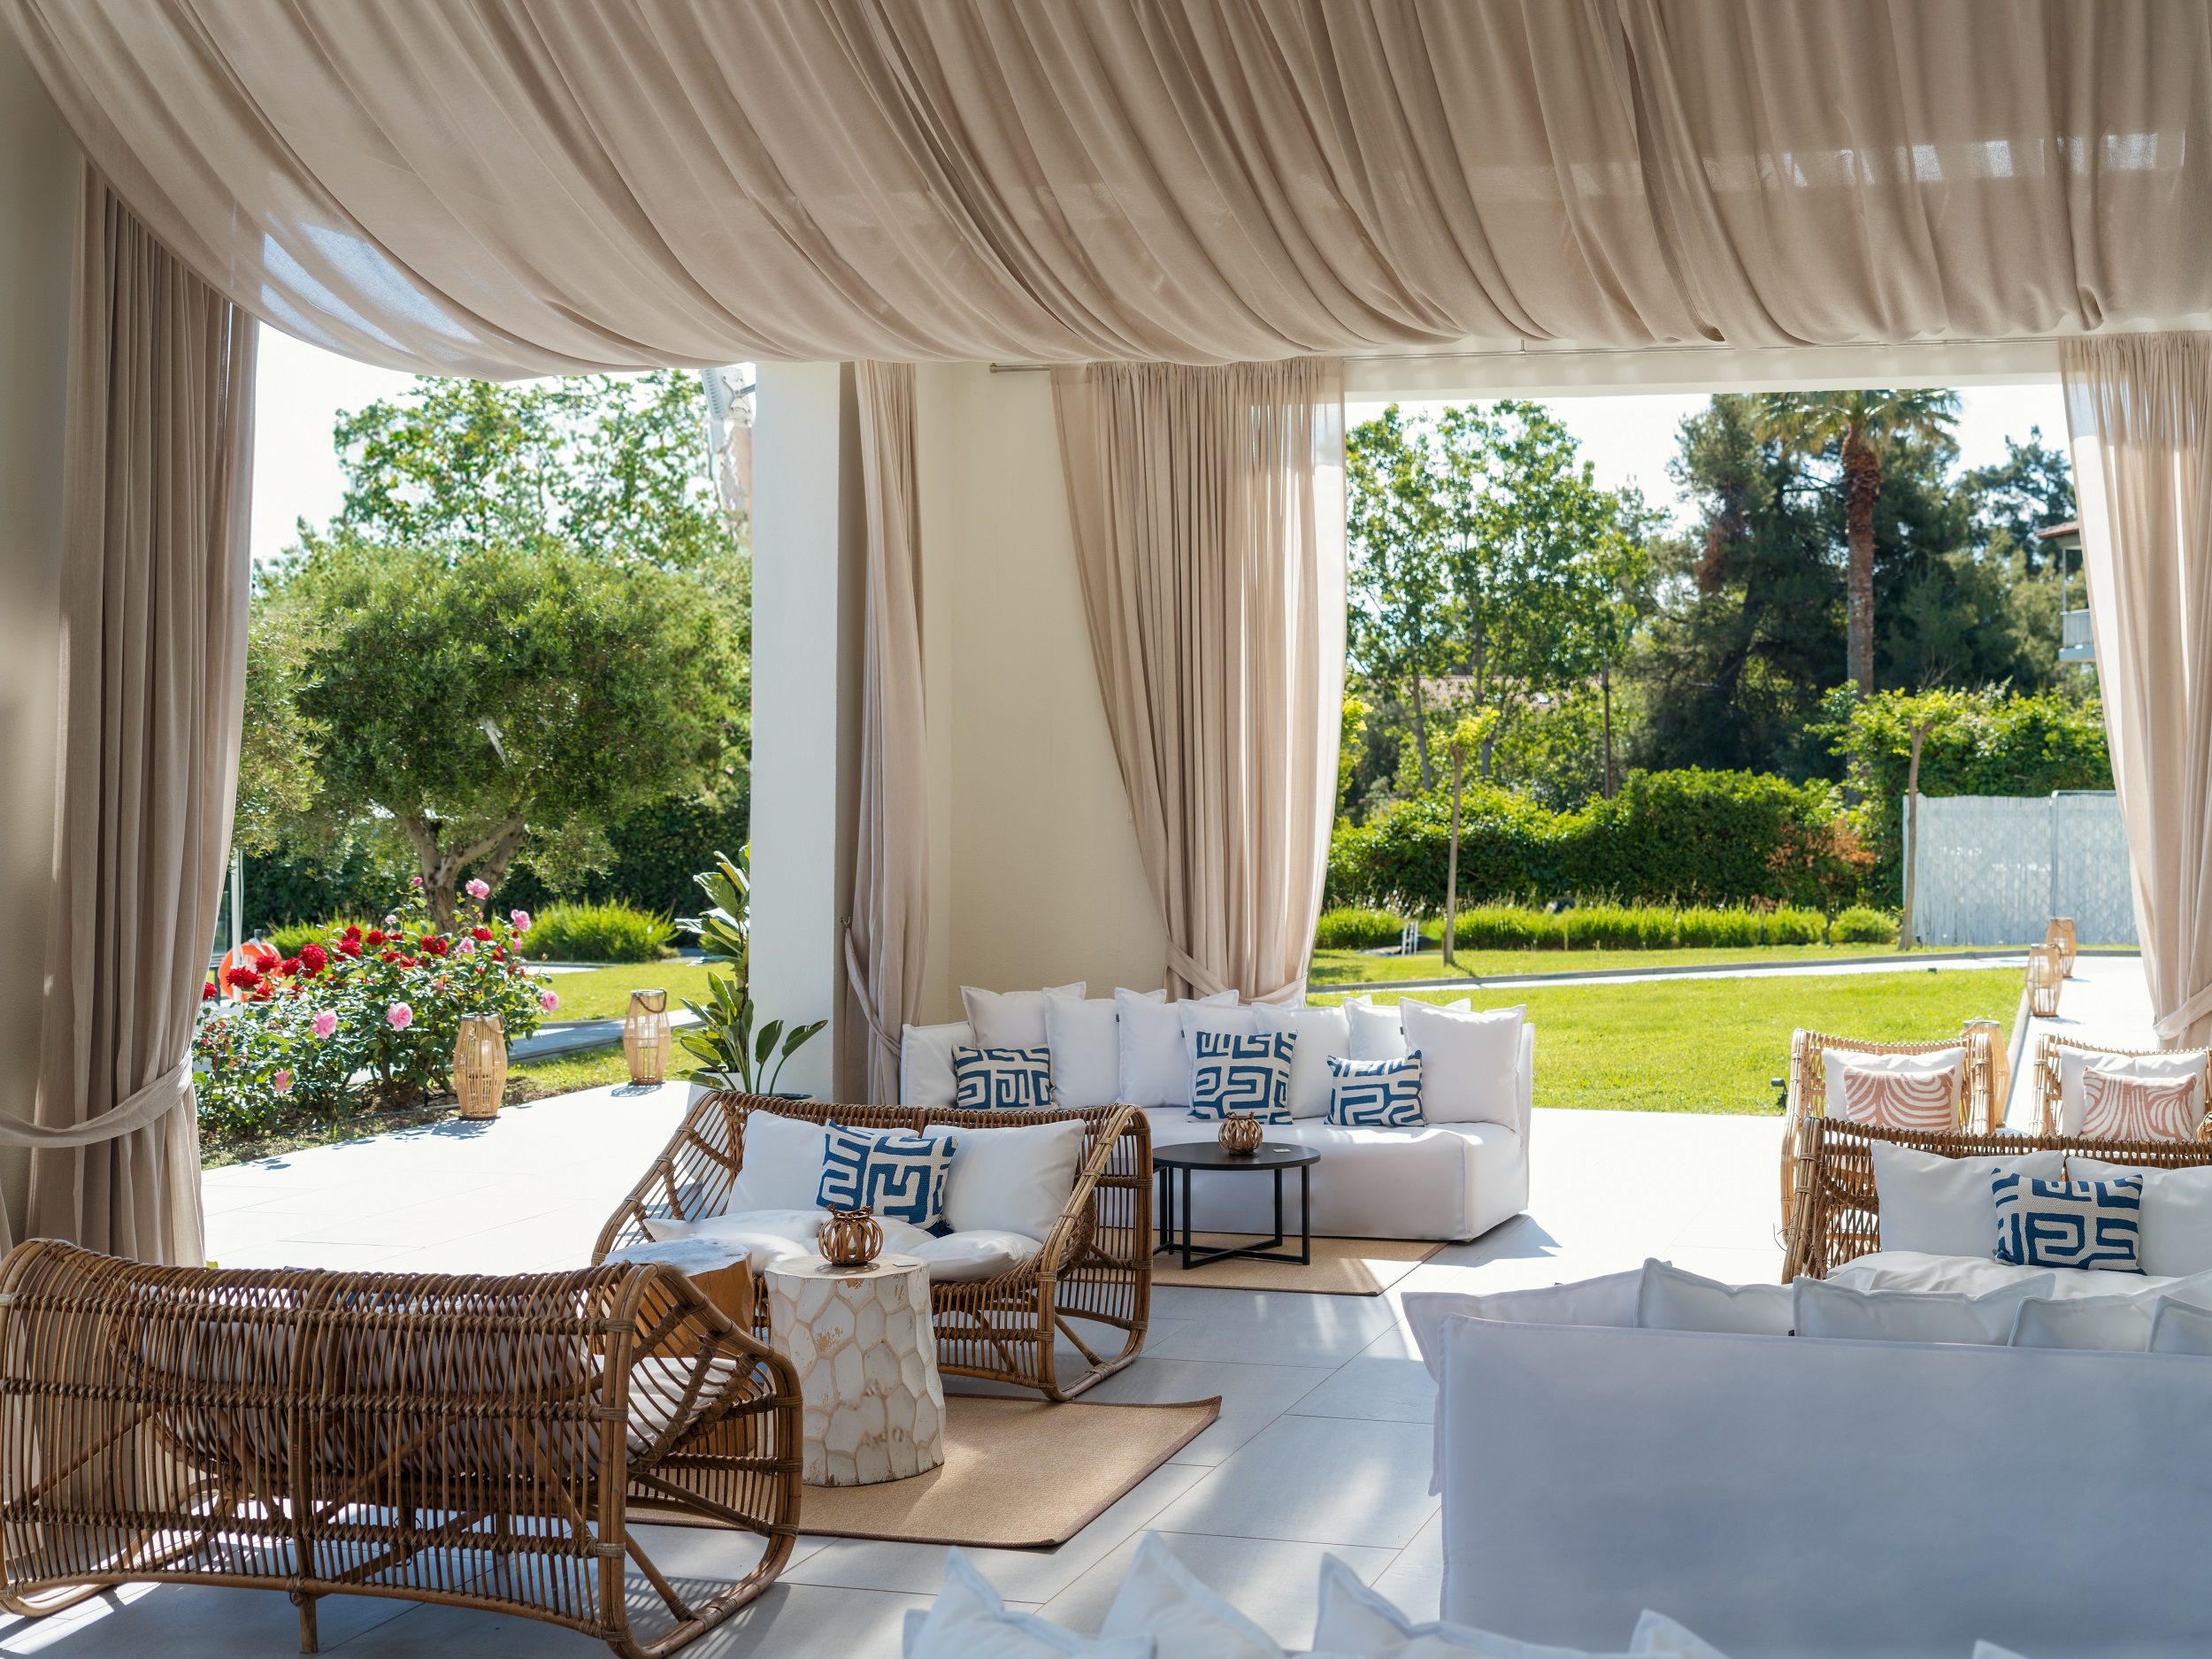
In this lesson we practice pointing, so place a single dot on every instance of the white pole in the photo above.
(237, 899)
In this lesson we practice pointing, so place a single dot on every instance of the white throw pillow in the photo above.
(1356, 1619)
(969, 1621)
(1155, 1067)
(1013, 1180)
(2176, 1222)
(2118, 1324)
(1469, 1061)
(1379, 1032)
(926, 1077)
(1906, 1316)
(1944, 1206)
(782, 1163)
(1832, 1062)
(1164, 1600)
(1657, 1635)
(2178, 1328)
(1011, 1019)
(961, 1258)
(1320, 1033)
(1668, 1299)
(2074, 1064)
(1086, 1038)
(1226, 1017)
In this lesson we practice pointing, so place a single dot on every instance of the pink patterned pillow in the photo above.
(2116, 1106)
(1902, 1100)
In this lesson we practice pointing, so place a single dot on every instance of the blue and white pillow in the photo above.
(895, 1174)
(2069, 1223)
(1238, 1073)
(1375, 1093)
(1003, 1080)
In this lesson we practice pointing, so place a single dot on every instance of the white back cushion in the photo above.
(1668, 1299)
(1378, 1032)
(2178, 1328)
(1224, 1018)
(1468, 1061)
(1086, 1038)
(1162, 1599)
(1011, 1019)
(1908, 1315)
(781, 1166)
(969, 1621)
(2176, 1222)
(1155, 1067)
(2122, 1323)
(1013, 1180)
(2074, 1064)
(925, 1064)
(1320, 1032)
(1944, 1206)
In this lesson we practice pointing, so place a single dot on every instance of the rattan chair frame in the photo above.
(1838, 1212)
(2047, 1097)
(429, 1436)
(1096, 1266)
(1980, 1098)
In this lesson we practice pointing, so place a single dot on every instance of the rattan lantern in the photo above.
(1239, 1134)
(849, 1238)
(646, 1036)
(2060, 937)
(480, 1065)
(2045, 977)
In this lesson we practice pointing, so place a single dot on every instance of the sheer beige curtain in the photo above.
(493, 186)
(1208, 514)
(2141, 411)
(154, 588)
(886, 939)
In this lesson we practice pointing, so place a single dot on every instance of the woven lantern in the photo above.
(849, 1238)
(480, 1065)
(2060, 938)
(1239, 1134)
(646, 1036)
(2045, 977)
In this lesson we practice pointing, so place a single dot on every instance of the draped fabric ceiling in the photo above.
(500, 187)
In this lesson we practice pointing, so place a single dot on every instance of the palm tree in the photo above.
(1868, 425)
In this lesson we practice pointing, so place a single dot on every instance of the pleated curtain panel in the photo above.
(1208, 505)
(2139, 408)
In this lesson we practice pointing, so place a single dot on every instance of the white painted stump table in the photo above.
(862, 1342)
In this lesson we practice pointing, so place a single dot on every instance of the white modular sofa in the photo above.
(1817, 1499)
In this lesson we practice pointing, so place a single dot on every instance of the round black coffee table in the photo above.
(1272, 1156)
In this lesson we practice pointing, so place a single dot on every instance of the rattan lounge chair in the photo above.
(484, 1442)
(1096, 1266)
(2048, 1048)
(1981, 1100)
(1839, 1216)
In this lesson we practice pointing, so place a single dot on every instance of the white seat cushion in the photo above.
(961, 1258)
(767, 1235)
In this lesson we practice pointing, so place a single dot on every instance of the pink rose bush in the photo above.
(478, 888)
(361, 1020)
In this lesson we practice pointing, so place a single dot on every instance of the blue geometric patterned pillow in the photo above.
(1242, 1074)
(1375, 1093)
(1009, 1079)
(895, 1174)
(2069, 1223)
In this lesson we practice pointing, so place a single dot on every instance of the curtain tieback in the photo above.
(859, 979)
(141, 1110)
(1210, 983)
(2175, 1024)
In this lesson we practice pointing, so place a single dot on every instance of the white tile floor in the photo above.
(1322, 1447)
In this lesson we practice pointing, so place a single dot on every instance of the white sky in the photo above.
(301, 389)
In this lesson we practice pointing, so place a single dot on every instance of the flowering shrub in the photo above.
(376, 1013)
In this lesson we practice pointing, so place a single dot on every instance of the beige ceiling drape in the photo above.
(886, 939)
(158, 488)
(2139, 408)
(1207, 506)
(503, 188)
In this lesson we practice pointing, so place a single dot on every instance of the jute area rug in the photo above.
(1342, 1267)
(1018, 1474)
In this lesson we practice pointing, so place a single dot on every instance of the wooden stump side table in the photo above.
(865, 1350)
(722, 1271)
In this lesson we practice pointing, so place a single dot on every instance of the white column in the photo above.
(38, 222)
(808, 539)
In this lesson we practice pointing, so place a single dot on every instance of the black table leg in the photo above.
(1186, 1219)
(1305, 1215)
(1167, 1208)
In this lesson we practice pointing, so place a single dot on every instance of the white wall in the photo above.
(38, 207)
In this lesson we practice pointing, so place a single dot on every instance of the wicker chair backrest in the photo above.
(2050, 1048)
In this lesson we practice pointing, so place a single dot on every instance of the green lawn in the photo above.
(1353, 967)
(1711, 1045)
(605, 993)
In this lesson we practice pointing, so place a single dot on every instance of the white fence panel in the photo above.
(1995, 868)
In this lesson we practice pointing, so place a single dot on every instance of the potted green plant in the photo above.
(737, 1055)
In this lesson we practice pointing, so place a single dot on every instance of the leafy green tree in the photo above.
(278, 746)
(474, 695)
(1865, 426)
(2031, 489)
(1401, 623)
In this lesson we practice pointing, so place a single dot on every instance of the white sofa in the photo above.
(1787, 1496)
